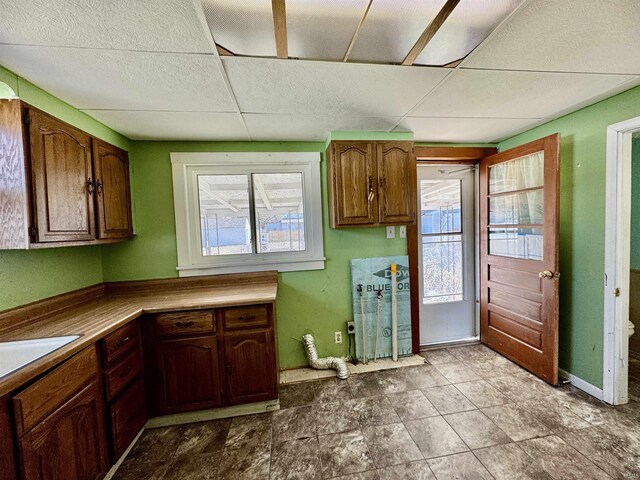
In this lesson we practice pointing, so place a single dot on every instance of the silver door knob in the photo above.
(546, 274)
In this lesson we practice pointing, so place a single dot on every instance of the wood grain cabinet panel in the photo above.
(250, 366)
(70, 443)
(113, 197)
(371, 184)
(128, 415)
(63, 183)
(188, 375)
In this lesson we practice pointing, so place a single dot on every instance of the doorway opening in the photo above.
(621, 372)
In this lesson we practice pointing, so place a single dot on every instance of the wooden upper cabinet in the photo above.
(63, 184)
(113, 197)
(396, 183)
(353, 177)
(371, 183)
(59, 185)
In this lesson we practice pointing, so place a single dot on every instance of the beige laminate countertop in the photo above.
(97, 318)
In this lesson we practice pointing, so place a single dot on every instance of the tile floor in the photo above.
(468, 413)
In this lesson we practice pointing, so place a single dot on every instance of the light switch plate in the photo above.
(403, 231)
(391, 232)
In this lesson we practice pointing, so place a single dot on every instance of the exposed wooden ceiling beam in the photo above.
(279, 11)
(262, 192)
(430, 31)
(357, 32)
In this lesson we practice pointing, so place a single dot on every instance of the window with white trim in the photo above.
(241, 212)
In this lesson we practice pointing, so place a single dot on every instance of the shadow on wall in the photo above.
(6, 91)
(634, 287)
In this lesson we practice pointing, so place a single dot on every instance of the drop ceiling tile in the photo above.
(245, 27)
(467, 26)
(505, 94)
(310, 127)
(119, 80)
(322, 30)
(568, 36)
(114, 24)
(173, 125)
(392, 28)
(464, 130)
(328, 88)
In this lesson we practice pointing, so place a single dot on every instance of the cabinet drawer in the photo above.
(121, 374)
(128, 416)
(246, 317)
(120, 342)
(40, 399)
(184, 323)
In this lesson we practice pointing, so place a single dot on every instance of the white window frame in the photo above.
(186, 166)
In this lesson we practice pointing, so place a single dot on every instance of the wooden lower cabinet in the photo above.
(127, 416)
(70, 443)
(187, 374)
(250, 367)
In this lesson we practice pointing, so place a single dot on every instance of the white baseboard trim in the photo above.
(582, 384)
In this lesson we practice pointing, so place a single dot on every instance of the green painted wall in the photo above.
(27, 276)
(317, 301)
(635, 204)
(582, 206)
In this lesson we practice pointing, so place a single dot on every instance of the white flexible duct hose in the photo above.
(334, 363)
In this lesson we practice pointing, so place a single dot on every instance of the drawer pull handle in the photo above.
(184, 324)
(244, 318)
(124, 341)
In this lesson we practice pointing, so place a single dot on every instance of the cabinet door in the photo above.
(353, 192)
(188, 374)
(70, 443)
(397, 183)
(62, 180)
(113, 195)
(250, 366)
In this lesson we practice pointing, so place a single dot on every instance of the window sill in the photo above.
(279, 265)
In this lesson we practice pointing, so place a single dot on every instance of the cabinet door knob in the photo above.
(99, 186)
(90, 186)
(370, 196)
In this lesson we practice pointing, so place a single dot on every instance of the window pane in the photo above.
(517, 208)
(225, 224)
(440, 206)
(279, 212)
(442, 268)
(523, 243)
(517, 174)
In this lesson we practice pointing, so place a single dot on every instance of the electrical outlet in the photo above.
(351, 328)
(391, 232)
(338, 337)
(403, 231)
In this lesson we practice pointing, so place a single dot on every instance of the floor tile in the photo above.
(496, 367)
(425, 376)
(248, 463)
(374, 411)
(390, 445)
(203, 466)
(457, 372)
(394, 381)
(331, 390)
(521, 387)
(296, 459)
(435, 437)
(370, 475)
(561, 460)
(510, 462)
(344, 453)
(156, 445)
(613, 453)
(516, 421)
(462, 466)
(482, 394)
(471, 353)
(204, 437)
(293, 423)
(437, 356)
(412, 405)
(249, 431)
(137, 470)
(448, 399)
(407, 471)
(476, 429)
(549, 412)
(296, 394)
(586, 407)
(335, 417)
(364, 385)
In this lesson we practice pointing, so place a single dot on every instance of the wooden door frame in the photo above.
(426, 156)
(617, 261)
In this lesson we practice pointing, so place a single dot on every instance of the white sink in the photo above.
(15, 355)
